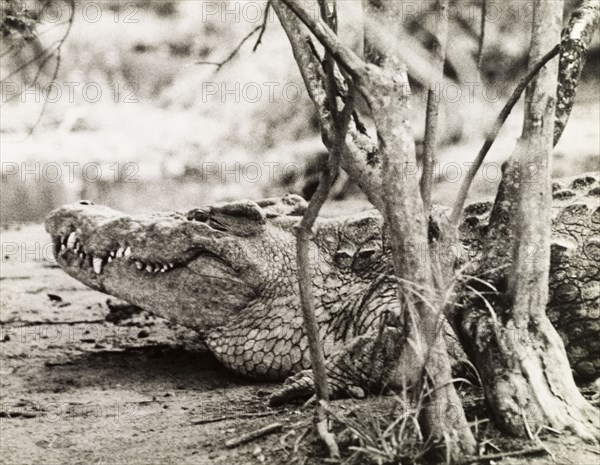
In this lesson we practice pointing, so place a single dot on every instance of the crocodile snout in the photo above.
(163, 262)
(95, 236)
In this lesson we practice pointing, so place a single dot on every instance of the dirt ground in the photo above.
(88, 379)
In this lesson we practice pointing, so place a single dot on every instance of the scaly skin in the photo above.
(229, 272)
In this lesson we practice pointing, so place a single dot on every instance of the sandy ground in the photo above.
(88, 379)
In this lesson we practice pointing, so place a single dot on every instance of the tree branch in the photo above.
(345, 57)
(329, 65)
(508, 106)
(304, 234)
(528, 280)
(360, 155)
(408, 225)
(235, 51)
(58, 50)
(433, 103)
(263, 28)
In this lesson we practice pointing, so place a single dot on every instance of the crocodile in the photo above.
(229, 272)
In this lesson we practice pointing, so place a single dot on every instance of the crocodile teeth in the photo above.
(81, 254)
(127, 252)
(111, 254)
(97, 263)
(120, 251)
(109, 259)
(164, 268)
(171, 265)
(71, 240)
(149, 268)
(139, 265)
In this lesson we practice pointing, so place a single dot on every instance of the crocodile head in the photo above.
(197, 268)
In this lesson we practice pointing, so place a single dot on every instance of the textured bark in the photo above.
(520, 357)
(575, 41)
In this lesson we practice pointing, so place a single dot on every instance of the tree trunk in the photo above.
(443, 417)
(520, 357)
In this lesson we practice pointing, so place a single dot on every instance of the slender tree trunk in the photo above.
(443, 416)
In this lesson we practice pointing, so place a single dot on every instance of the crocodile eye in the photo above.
(198, 214)
(366, 256)
(343, 258)
(244, 210)
(86, 202)
(366, 253)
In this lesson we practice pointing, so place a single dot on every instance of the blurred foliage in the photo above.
(155, 109)
(16, 22)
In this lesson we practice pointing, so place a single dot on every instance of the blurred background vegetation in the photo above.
(135, 120)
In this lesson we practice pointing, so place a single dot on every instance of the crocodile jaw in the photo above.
(164, 263)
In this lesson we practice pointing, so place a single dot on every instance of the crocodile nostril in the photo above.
(86, 202)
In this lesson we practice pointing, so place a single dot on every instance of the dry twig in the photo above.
(263, 28)
(234, 52)
(501, 455)
(252, 435)
(203, 421)
(56, 47)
